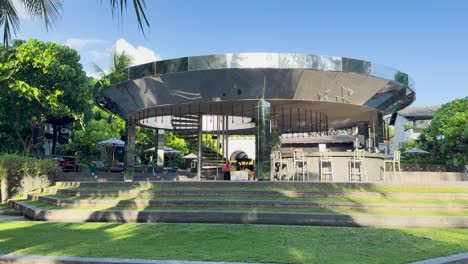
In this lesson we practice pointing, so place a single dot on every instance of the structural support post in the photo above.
(129, 169)
(199, 158)
(227, 138)
(263, 141)
(160, 148)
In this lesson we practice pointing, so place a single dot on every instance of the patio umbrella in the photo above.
(416, 151)
(113, 143)
(190, 156)
(167, 150)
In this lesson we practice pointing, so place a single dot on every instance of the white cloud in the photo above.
(139, 54)
(97, 55)
(93, 74)
(77, 43)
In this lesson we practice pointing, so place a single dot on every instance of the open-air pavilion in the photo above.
(282, 99)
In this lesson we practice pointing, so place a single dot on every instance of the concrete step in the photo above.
(264, 184)
(252, 194)
(241, 217)
(10, 212)
(247, 204)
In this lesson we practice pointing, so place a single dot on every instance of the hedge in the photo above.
(14, 168)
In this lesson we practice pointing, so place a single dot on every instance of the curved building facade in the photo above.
(257, 92)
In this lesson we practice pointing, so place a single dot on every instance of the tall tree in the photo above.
(40, 80)
(102, 125)
(447, 135)
(50, 11)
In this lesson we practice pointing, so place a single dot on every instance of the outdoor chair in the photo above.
(279, 165)
(357, 166)
(99, 165)
(326, 172)
(300, 165)
(394, 161)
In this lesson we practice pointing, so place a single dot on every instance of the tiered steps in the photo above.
(292, 203)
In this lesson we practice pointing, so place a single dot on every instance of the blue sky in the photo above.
(427, 39)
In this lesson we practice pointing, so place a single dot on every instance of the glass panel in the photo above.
(326, 63)
(358, 66)
(170, 66)
(142, 70)
(292, 60)
(252, 60)
(263, 141)
(207, 62)
(382, 71)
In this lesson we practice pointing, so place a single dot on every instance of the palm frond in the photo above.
(119, 6)
(97, 69)
(49, 11)
(9, 20)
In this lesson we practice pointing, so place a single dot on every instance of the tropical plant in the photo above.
(40, 80)
(447, 135)
(14, 169)
(117, 72)
(50, 11)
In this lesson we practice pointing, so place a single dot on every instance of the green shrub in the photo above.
(14, 168)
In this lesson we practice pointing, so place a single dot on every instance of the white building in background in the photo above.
(409, 123)
(241, 144)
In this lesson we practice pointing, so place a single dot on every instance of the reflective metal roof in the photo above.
(154, 89)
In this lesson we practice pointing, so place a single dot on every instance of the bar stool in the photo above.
(326, 158)
(300, 165)
(357, 166)
(395, 161)
(279, 165)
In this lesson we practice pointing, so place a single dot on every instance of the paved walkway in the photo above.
(461, 258)
(8, 218)
(11, 215)
(31, 259)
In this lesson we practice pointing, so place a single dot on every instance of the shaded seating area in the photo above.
(100, 166)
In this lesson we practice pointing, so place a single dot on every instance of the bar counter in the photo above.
(340, 160)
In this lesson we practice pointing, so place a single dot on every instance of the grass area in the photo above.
(263, 198)
(3, 206)
(305, 188)
(46, 206)
(249, 243)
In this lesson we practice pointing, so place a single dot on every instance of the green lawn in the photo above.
(252, 243)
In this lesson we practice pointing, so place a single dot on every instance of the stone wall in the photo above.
(433, 177)
(10, 188)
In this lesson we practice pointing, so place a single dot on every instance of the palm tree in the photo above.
(117, 72)
(50, 11)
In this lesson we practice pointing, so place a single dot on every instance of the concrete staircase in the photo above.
(186, 127)
(291, 203)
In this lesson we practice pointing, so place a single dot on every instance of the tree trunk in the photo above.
(4, 189)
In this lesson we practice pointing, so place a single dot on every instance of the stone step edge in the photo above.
(9, 212)
(268, 218)
(260, 203)
(459, 184)
(296, 194)
(34, 259)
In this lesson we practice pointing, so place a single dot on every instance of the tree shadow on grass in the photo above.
(253, 243)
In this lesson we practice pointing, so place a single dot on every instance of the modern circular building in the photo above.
(263, 94)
